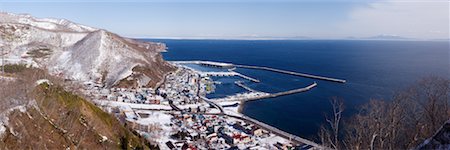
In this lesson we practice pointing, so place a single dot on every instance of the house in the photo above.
(170, 145)
(195, 136)
(259, 132)
(246, 139)
(181, 135)
(153, 101)
(228, 139)
(211, 135)
(185, 146)
(239, 127)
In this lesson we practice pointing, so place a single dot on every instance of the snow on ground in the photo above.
(3, 123)
(231, 120)
(129, 112)
(44, 23)
(154, 118)
(2, 130)
(213, 111)
(187, 106)
(4, 117)
(7, 78)
(17, 60)
(272, 139)
(231, 110)
(227, 103)
(161, 120)
(240, 96)
(133, 106)
(40, 81)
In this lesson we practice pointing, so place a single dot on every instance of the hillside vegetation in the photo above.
(46, 116)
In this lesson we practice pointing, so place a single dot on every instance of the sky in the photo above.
(322, 19)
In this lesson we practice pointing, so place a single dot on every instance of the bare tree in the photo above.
(329, 136)
(433, 96)
(3, 60)
(403, 122)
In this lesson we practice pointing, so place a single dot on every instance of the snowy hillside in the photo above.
(81, 53)
(44, 23)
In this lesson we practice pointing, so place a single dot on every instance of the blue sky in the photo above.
(250, 18)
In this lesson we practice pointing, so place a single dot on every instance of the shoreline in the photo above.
(241, 103)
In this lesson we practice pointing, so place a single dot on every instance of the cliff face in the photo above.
(81, 53)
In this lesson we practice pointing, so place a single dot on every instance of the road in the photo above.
(276, 131)
(213, 104)
(174, 107)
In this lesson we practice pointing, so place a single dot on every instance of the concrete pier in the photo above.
(294, 91)
(239, 83)
(232, 67)
(220, 74)
(263, 95)
(248, 78)
(273, 95)
(230, 73)
(291, 73)
(206, 63)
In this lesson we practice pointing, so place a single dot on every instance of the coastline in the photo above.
(242, 102)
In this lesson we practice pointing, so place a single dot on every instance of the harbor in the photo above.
(233, 66)
(252, 94)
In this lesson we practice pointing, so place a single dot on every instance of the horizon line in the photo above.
(279, 38)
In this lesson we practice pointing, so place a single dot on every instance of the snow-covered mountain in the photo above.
(44, 23)
(81, 53)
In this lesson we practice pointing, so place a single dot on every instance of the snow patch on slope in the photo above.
(44, 23)
(2, 130)
(97, 55)
(4, 116)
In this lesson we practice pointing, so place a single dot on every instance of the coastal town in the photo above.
(177, 115)
(196, 75)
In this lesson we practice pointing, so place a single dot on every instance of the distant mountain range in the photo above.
(377, 37)
(386, 37)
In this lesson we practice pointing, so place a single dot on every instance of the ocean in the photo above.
(373, 70)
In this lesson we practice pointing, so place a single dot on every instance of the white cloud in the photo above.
(409, 18)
